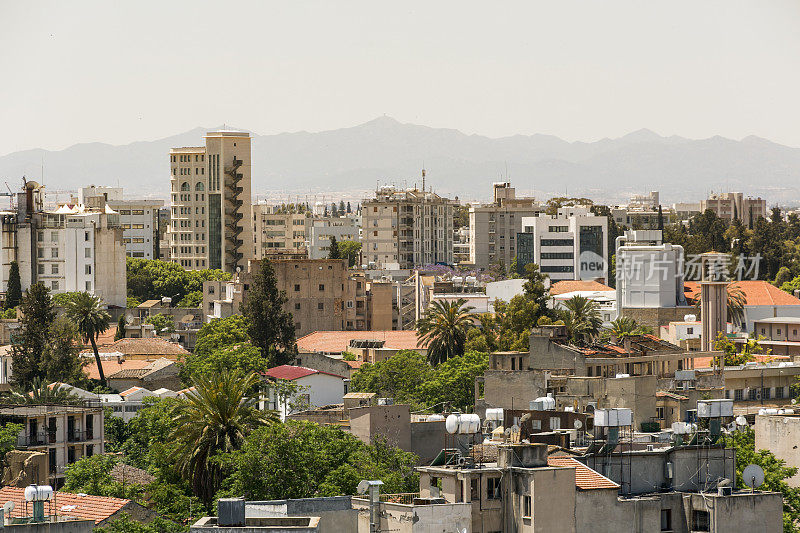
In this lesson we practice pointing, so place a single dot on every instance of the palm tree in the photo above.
(91, 320)
(443, 329)
(582, 318)
(43, 393)
(215, 418)
(624, 327)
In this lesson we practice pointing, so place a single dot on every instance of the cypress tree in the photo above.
(30, 343)
(333, 250)
(14, 290)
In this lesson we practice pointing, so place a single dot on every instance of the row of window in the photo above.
(134, 212)
(188, 157)
(758, 393)
(135, 240)
(188, 263)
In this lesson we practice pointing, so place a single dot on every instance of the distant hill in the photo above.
(387, 151)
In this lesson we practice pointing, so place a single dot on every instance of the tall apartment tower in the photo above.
(210, 226)
(407, 228)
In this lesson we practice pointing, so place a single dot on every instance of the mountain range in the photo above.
(385, 151)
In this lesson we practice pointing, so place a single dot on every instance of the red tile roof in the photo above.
(756, 292)
(585, 477)
(154, 346)
(291, 373)
(561, 287)
(339, 341)
(111, 366)
(97, 508)
(705, 362)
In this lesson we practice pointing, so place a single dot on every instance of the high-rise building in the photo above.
(319, 231)
(277, 230)
(138, 218)
(210, 187)
(493, 228)
(730, 205)
(407, 228)
(571, 245)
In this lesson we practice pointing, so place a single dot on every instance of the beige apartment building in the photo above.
(278, 229)
(730, 205)
(210, 201)
(493, 227)
(407, 228)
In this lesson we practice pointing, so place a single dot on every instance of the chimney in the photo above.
(713, 298)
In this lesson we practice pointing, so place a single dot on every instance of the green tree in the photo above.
(400, 376)
(443, 329)
(63, 298)
(784, 276)
(244, 358)
(126, 524)
(453, 381)
(534, 286)
(162, 322)
(333, 249)
(91, 320)
(40, 392)
(303, 459)
(213, 419)
(120, 333)
(92, 475)
(350, 250)
(582, 318)
(192, 299)
(34, 333)
(61, 359)
(341, 207)
(624, 326)
(271, 328)
(222, 333)
(14, 288)
(9, 433)
(735, 356)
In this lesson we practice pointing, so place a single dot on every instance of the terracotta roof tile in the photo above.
(339, 341)
(564, 286)
(97, 508)
(154, 346)
(291, 373)
(756, 292)
(705, 362)
(585, 477)
(111, 366)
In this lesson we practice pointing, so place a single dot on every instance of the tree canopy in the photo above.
(150, 279)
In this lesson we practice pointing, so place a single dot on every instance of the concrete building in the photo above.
(66, 433)
(780, 434)
(210, 201)
(572, 244)
(314, 388)
(71, 249)
(278, 229)
(407, 228)
(779, 335)
(336, 513)
(493, 227)
(319, 231)
(730, 205)
(139, 219)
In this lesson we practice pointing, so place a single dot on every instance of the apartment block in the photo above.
(407, 228)
(573, 244)
(319, 231)
(278, 229)
(493, 228)
(730, 205)
(139, 219)
(66, 433)
(211, 203)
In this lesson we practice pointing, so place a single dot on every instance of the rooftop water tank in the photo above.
(494, 414)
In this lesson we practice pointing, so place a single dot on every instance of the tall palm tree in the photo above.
(214, 418)
(582, 318)
(624, 327)
(443, 329)
(91, 320)
(42, 393)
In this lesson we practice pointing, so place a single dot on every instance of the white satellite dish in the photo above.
(7, 508)
(128, 319)
(741, 421)
(753, 476)
(577, 424)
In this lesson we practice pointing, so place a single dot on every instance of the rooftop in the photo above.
(339, 341)
(564, 286)
(756, 292)
(97, 508)
(585, 477)
(289, 372)
(126, 368)
(154, 346)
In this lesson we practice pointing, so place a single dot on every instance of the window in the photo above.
(40, 236)
(778, 392)
(474, 495)
(138, 212)
(54, 269)
(296, 287)
(296, 307)
(53, 236)
(555, 423)
(88, 286)
(752, 394)
(54, 252)
(765, 393)
(41, 269)
(321, 286)
(666, 519)
(54, 285)
(779, 331)
(40, 253)
(700, 521)
(738, 395)
(87, 269)
(493, 488)
(689, 331)
(526, 506)
(660, 413)
(87, 252)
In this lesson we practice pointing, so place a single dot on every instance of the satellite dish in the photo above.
(129, 319)
(753, 476)
(7, 508)
(577, 424)
(741, 421)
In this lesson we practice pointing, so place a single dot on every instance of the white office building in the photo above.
(572, 244)
(320, 230)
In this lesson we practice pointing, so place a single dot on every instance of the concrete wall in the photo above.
(601, 511)
(656, 317)
(397, 518)
(324, 363)
(781, 436)
(390, 421)
(513, 389)
(547, 355)
(61, 526)
(742, 511)
(427, 440)
(335, 514)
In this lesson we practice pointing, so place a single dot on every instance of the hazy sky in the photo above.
(124, 71)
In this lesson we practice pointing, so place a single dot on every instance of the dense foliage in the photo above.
(350, 250)
(153, 279)
(14, 288)
(443, 329)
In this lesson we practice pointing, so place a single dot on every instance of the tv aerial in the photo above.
(753, 476)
